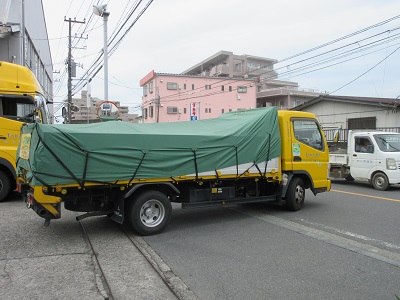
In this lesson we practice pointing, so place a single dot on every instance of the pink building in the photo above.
(173, 98)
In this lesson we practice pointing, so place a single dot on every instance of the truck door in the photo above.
(362, 157)
(309, 151)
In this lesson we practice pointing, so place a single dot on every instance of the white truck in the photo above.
(371, 156)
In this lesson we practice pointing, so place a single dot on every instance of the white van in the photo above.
(371, 156)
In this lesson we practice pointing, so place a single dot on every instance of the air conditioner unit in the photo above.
(238, 96)
(179, 87)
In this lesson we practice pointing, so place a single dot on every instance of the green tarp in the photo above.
(114, 151)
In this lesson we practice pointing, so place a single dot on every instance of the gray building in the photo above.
(92, 113)
(24, 40)
(349, 112)
(271, 91)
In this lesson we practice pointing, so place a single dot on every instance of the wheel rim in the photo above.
(380, 182)
(152, 213)
(299, 194)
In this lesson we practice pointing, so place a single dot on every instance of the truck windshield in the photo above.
(16, 108)
(24, 108)
(388, 142)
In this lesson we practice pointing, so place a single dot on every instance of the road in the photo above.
(342, 245)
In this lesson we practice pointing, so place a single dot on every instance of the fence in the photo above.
(343, 133)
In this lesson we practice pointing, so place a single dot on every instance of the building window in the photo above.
(230, 109)
(184, 110)
(242, 89)
(296, 103)
(151, 87)
(184, 86)
(362, 123)
(238, 67)
(222, 111)
(206, 110)
(208, 86)
(145, 90)
(209, 110)
(151, 111)
(145, 113)
(172, 110)
(172, 86)
(222, 88)
(230, 88)
(192, 86)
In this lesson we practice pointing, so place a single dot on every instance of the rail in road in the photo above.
(173, 282)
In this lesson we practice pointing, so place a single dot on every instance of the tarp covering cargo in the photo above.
(119, 151)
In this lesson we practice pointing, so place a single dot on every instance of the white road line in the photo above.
(351, 234)
(386, 256)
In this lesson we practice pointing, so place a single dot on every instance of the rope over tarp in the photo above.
(119, 151)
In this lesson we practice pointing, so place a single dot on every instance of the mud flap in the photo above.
(118, 214)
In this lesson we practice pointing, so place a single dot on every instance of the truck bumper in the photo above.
(47, 207)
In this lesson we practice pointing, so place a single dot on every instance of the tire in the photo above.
(149, 213)
(294, 198)
(5, 186)
(380, 181)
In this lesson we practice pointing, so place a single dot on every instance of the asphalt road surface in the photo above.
(344, 244)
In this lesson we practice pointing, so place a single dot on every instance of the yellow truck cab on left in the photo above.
(21, 101)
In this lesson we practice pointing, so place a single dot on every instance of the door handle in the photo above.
(355, 155)
(2, 137)
(297, 158)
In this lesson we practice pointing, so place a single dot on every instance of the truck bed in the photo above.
(115, 152)
(338, 157)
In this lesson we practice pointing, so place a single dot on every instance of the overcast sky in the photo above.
(173, 35)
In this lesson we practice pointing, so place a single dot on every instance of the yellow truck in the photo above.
(21, 101)
(132, 172)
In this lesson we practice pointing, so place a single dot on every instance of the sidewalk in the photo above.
(58, 262)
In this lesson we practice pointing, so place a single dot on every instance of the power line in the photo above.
(367, 70)
(342, 38)
(325, 53)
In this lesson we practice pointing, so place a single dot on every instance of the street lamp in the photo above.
(101, 10)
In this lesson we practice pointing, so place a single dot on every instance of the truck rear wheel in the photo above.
(380, 181)
(150, 213)
(5, 186)
(294, 198)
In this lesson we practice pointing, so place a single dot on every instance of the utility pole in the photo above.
(69, 64)
(101, 11)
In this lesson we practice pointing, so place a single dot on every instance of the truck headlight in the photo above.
(391, 164)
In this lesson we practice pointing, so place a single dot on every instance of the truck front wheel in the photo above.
(294, 198)
(5, 186)
(380, 181)
(150, 213)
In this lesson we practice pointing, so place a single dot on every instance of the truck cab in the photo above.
(21, 101)
(371, 156)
